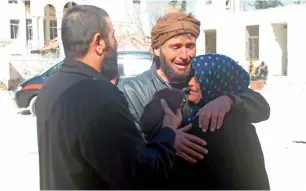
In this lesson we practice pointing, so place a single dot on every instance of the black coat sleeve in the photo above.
(115, 148)
(253, 104)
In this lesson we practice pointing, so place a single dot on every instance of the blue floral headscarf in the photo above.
(218, 75)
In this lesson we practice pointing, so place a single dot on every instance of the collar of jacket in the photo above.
(155, 74)
(71, 65)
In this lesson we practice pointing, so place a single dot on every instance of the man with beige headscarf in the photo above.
(173, 45)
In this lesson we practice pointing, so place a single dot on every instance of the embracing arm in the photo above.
(253, 104)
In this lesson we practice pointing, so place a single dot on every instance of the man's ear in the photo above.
(156, 51)
(99, 43)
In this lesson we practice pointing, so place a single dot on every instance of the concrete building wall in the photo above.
(22, 46)
(231, 32)
(16, 61)
(229, 23)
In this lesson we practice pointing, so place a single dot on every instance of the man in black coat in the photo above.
(86, 136)
(173, 44)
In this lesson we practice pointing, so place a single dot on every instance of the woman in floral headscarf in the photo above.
(216, 75)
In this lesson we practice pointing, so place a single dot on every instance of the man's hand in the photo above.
(172, 120)
(214, 113)
(189, 147)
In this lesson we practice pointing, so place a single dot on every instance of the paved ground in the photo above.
(18, 146)
(285, 161)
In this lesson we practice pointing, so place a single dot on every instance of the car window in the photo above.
(136, 56)
(132, 63)
(52, 70)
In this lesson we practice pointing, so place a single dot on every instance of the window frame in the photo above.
(14, 34)
(29, 29)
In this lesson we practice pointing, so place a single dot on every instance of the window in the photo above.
(53, 29)
(27, 3)
(27, 6)
(13, 2)
(227, 5)
(252, 43)
(29, 29)
(14, 24)
(230, 5)
(136, 8)
(208, 2)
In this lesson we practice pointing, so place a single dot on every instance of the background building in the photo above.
(30, 25)
(247, 30)
(250, 30)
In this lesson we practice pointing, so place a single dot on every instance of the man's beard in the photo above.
(110, 65)
(170, 71)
